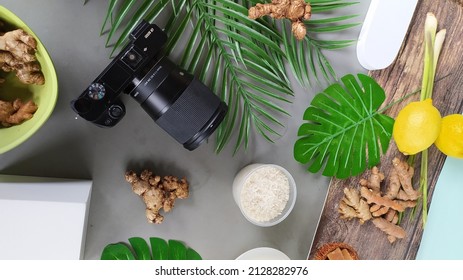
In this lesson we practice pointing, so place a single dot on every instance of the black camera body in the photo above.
(177, 101)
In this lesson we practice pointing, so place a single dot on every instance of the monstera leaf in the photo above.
(345, 131)
(140, 250)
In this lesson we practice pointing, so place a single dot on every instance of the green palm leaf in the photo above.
(306, 58)
(251, 81)
(344, 132)
(241, 60)
(140, 250)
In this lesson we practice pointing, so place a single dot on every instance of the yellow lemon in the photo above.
(416, 127)
(450, 140)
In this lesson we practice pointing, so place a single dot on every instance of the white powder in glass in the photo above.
(265, 194)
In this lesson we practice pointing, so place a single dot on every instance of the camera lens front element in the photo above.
(96, 91)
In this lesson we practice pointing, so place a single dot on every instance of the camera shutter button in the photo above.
(116, 111)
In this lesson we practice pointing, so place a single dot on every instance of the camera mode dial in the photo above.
(96, 91)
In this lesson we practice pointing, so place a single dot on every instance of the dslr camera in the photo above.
(177, 101)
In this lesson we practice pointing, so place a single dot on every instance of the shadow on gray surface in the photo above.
(63, 158)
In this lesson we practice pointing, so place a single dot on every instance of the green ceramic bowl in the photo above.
(44, 96)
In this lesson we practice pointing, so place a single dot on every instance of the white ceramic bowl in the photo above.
(263, 253)
(241, 178)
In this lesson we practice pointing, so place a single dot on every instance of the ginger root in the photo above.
(17, 53)
(16, 112)
(374, 182)
(382, 209)
(352, 206)
(157, 193)
(294, 10)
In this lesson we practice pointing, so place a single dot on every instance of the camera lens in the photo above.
(179, 103)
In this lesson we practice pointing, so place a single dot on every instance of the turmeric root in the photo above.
(405, 173)
(381, 211)
(17, 53)
(380, 200)
(383, 208)
(391, 215)
(391, 229)
(294, 10)
(16, 112)
(157, 193)
(394, 185)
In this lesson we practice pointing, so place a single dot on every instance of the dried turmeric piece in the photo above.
(394, 185)
(381, 211)
(384, 208)
(405, 173)
(380, 200)
(390, 215)
(294, 10)
(391, 229)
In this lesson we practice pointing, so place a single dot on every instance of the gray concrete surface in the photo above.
(209, 221)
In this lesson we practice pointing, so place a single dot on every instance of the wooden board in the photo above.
(401, 78)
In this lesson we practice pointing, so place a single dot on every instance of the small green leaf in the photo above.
(117, 251)
(109, 13)
(156, 10)
(328, 20)
(177, 251)
(134, 21)
(192, 255)
(344, 132)
(120, 17)
(159, 249)
(333, 28)
(141, 248)
(333, 44)
(330, 5)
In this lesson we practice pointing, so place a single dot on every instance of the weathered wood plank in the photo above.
(401, 78)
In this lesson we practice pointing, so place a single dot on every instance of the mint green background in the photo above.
(443, 234)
